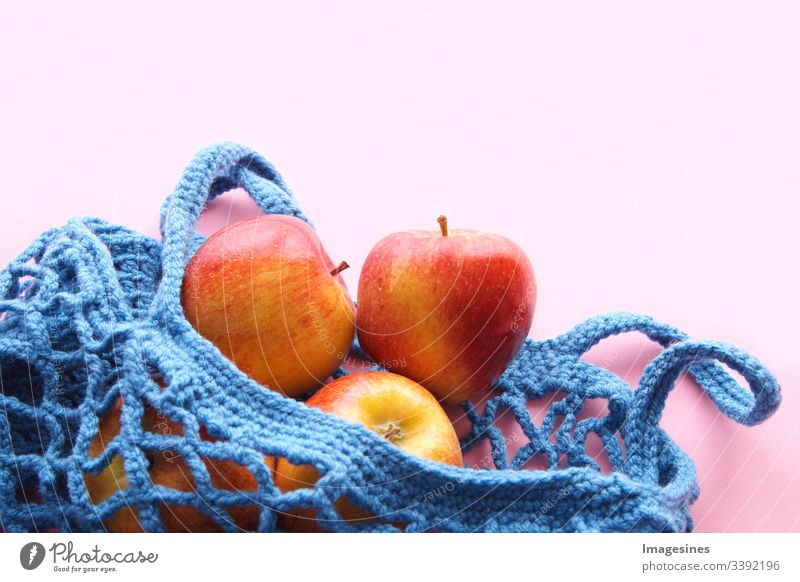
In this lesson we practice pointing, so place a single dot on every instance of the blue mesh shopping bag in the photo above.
(90, 317)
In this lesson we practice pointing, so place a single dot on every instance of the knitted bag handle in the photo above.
(215, 170)
(681, 354)
(747, 407)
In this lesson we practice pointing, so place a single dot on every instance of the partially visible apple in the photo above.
(111, 478)
(448, 309)
(170, 470)
(266, 293)
(394, 407)
(167, 468)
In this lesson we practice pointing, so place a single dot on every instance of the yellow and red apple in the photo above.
(448, 308)
(266, 293)
(111, 478)
(394, 407)
(167, 468)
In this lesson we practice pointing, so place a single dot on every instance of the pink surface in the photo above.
(646, 156)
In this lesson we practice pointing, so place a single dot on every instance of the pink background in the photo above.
(645, 155)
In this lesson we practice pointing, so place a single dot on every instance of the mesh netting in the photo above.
(91, 329)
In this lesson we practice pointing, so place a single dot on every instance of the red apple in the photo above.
(448, 309)
(265, 292)
(396, 408)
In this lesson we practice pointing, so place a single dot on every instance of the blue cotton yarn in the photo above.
(91, 312)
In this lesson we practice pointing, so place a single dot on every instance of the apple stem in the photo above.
(442, 220)
(342, 266)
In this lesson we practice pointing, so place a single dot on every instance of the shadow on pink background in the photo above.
(646, 157)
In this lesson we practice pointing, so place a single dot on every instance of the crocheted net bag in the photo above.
(91, 312)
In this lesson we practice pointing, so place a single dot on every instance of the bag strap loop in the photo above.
(641, 430)
(215, 170)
